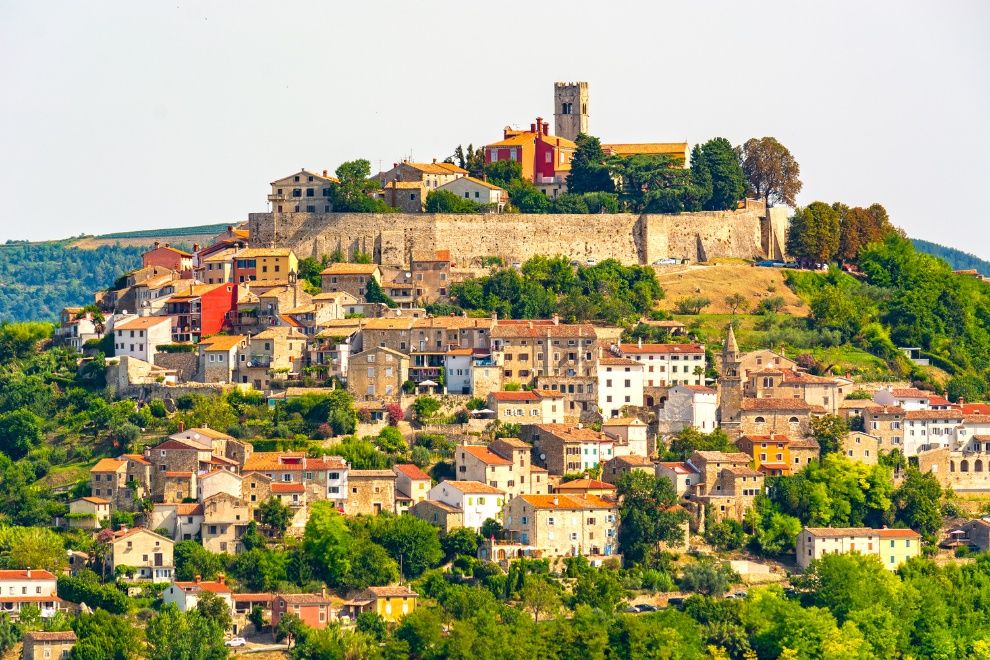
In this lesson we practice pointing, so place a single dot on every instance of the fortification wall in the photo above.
(629, 238)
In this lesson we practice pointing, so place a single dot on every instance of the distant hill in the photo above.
(144, 237)
(958, 259)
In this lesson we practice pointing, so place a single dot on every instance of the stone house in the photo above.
(325, 477)
(431, 275)
(479, 192)
(527, 407)
(371, 492)
(45, 645)
(614, 468)
(141, 336)
(828, 392)
(294, 497)
(505, 464)
(961, 470)
(257, 488)
(276, 353)
(406, 196)
(579, 396)
(563, 525)
(628, 431)
(350, 278)
(563, 448)
(178, 486)
(89, 513)
(975, 533)
(790, 417)
(532, 349)
(892, 546)
(761, 359)
(218, 358)
(429, 175)
(108, 480)
(862, 447)
(225, 518)
(147, 553)
(173, 457)
(888, 424)
(444, 516)
(728, 485)
(377, 374)
(304, 192)
(315, 610)
(218, 481)
(390, 332)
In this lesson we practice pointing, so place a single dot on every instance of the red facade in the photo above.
(167, 257)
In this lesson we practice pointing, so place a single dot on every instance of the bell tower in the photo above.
(570, 109)
(730, 385)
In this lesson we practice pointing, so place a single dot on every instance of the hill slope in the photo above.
(958, 259)
(174, 235)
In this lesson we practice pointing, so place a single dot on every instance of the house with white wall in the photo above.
(477, 501)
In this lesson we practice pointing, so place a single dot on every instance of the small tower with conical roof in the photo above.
(730, 385)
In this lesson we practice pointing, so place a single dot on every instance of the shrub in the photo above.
(692, 304)
(395, 413)
(425, 407)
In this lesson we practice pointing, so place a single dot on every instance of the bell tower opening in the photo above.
(570, 108)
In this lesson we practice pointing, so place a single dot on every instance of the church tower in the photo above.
(570, 109)
(730, 385)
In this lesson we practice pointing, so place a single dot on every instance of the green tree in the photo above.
(175, 635)
(372, 624)
(192, 559)
(772, 173)
(600, 589)
(589, 173)
(9, 633)
(829, 431)
(444, 201)
(967, 387)
(351, 193)
(716, 163)
(737, 302)
(421, 631)
(32, 547)
(20, 432)
(708, 577)
(214, 609)
(504, 173)
(460, 541)
(725, 534)
(410, 541)
(647, 515)
(690, 440)
(813, 235)
(370, 565)
(274, 517)
(374, 293)
(105, 636)
(917, 503)
(527, 197)
(541, 596)
(257, 618)
(327, 542)
(290, 627)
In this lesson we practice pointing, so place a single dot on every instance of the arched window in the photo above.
(964, 466)
(978, 466)
(793, 420)
(760, 420)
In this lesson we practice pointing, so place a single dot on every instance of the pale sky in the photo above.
(126, 115)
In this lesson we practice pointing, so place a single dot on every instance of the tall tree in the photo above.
(771, 171)
(351, 192)
(813, 235)
(860, 227)
(646, 514)
(715, 166)
(588, 170)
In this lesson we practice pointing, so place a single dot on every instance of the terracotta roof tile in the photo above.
(412, 471)
(579, 502)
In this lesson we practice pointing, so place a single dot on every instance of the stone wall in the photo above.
(629, 238)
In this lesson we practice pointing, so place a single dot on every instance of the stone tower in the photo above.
(730, 385)
(570, 109)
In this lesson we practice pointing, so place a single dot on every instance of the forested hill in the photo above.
(958, 259)
(38, 279)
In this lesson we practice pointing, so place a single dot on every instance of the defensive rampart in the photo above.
(630, 238)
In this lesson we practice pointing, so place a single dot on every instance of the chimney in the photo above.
(168, 245)
(323, 592)
(556, 319)
(546, 128)
(640, 342)
(198, 579)
(157, 244)
(221, 578)
(495, 316)
(195, 247)
(324, 173)
(539, 125)
(434, 161)
(556, 500)
(28, 572)
(532, 128)
(182, 426)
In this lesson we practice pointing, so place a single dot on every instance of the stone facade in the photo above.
(371, 492)
(630, 238)
(377, 374)
(563, 525)
(862, 447)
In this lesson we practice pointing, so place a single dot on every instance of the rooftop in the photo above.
(568, 502)
(349, 269)
(586, 484)
(143, 323)
(661, 348)
(838, 532)
(412, 471)
(474, 487)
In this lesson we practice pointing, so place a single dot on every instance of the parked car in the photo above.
(235, 642)
(632, 609)
(591, 262)
(646, 607)
(665, 262)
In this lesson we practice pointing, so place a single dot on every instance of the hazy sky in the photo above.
(136, 115)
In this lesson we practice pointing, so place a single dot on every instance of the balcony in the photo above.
(276, 198)
(259, 361)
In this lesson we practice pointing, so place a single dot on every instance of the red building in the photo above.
(167, 256)
(200, 310)
(315, 610)
(545, 159)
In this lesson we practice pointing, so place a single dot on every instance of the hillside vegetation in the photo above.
(958, 259)
(38, 279)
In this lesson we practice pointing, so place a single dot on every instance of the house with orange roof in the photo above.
(614, 469)
(146, 555)
(680, 473)
(429, 176)
(563, 525)
(411, 484)
(892, 546)
(370, 492)
(324, 477)
(776, 383)
(31, 586)
(666, 364)
(531, 349)
(175, 461)
(726, 487)
(505, 464)
(586, 487)
(140, 336)
(200, 310)
(218, 358)
(777, 454)
(789, 416)
(476, 501)
(315, 610)
(166, 256)
(182, 521)
(906, 398)
(107, 478)
(185, 595)
(431, 273)
(628, 431)
(527, 407)
(350, 278)
(390, 602)
(545, 159)
(89, 512)
(265, 264)
(275, 353)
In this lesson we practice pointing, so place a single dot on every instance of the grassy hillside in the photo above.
(958, 259)
(145, 237)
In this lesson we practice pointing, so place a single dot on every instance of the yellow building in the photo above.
(390, 603)
(266, 264)
(892, 546)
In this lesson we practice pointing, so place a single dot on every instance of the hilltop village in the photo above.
(359, 450)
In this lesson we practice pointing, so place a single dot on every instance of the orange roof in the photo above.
(137, 458)
(485, 455)
(291, 487)
(22, 574)
(537, 329)
(473, 487)
(623, 421)
(586, 484)
(170, 249)
(519, 396)
(612, 361)
(779, 404)
(177, 474)
(222, 342)
(885, 533)
(143, 323)
(568, 432)
(349, 269)
(648, 148)
(567, 502)
(436, 168)
(189, 509)
(94, 500)
(108, 465)
(910, 393)
(264, 252)
(412, 471)
(203, 585)
(933, 414)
